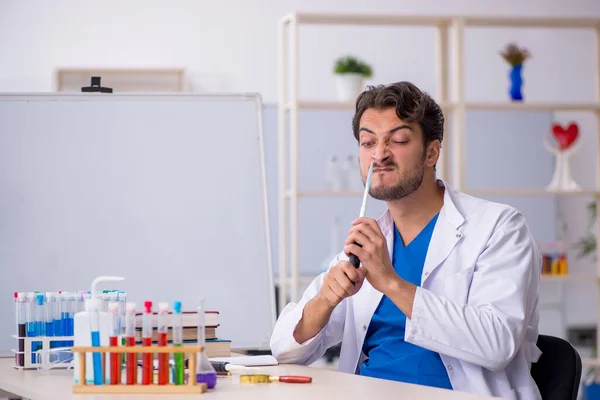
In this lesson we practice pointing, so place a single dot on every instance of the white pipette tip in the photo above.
(363, 208)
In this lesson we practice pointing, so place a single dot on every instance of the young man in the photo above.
(447, 291)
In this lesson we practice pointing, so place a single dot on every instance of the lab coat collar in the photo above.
(446, 233)
(449, 212)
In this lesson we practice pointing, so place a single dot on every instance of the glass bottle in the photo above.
(333, 175)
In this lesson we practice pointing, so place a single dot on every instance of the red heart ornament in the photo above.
(565, 137)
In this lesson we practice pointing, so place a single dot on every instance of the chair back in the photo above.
(558, 371)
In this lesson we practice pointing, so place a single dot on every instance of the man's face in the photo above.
(398, 151)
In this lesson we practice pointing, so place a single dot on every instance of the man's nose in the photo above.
(380, 153)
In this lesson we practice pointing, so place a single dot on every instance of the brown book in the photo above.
(188, 319)
(190, 333)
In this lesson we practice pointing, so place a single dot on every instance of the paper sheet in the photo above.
(248, 361)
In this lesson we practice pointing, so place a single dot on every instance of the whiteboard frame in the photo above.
(256, 97)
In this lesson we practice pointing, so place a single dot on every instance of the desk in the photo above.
(326, 384)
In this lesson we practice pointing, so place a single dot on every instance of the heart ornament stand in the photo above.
(568, 143)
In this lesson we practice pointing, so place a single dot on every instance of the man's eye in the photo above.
(401, 141)
(367, 144)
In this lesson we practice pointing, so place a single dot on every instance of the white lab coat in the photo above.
(477, 305)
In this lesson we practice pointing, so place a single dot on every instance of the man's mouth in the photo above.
(383, 169)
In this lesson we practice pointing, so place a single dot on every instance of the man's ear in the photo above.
(433, 153)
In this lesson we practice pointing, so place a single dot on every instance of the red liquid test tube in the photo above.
(147, 359)
(131, 358)
(147, 363)
(115, 362)
(131, 362)
(163, 327)
(115, 365)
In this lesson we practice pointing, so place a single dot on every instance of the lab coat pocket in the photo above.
(457, 285)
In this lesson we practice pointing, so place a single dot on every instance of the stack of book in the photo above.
(215, 347)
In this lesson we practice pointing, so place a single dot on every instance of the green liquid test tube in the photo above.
(179, 367)
(179, 377)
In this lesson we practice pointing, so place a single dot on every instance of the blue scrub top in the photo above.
(389, 356)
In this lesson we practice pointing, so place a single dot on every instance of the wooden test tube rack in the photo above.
(191, 387)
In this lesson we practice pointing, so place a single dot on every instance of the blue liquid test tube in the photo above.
(30, 322)
(68, 321)
(49, 315)
(58, 318)
(40, 320)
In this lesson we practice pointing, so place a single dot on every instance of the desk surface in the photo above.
(326, 384)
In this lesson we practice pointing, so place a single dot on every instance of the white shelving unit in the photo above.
(289, 106)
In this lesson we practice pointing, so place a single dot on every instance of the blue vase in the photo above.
(516, 82)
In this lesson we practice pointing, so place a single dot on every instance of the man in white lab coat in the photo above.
(447, 291)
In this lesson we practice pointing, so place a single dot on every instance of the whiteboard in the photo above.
(168, 191)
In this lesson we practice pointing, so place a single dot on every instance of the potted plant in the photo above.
(350, 75)
(515, 56)
(587, 244)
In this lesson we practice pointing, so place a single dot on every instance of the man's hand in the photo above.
(341, 281)
(372, 253)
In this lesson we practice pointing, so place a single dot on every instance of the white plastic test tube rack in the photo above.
(31, 355)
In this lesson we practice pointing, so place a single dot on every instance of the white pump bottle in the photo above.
(83, 334)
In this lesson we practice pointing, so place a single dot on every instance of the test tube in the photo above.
(30, 322)
(81, 301)
(122, 299)
(130, 342)
(178, 342)
(105, 300)
(69, 318)
(147, 358)
(163, 328)
(58, 323)
(21, 326)
(49, 317)
(40, 321)
(115, 359)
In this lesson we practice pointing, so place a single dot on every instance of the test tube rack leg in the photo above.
(191, 387)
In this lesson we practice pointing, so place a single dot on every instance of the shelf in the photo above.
(328, 193)
(430, 20)
(573, 278)
(529, 192)
(473, 192)
(532, 22)
(367, 19)
(531, 106)
(304, 279)
(469, 105)
(590, 362)
(322, 105)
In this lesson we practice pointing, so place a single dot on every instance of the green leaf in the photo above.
(351, 64)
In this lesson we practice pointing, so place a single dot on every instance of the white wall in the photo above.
(232, 46)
